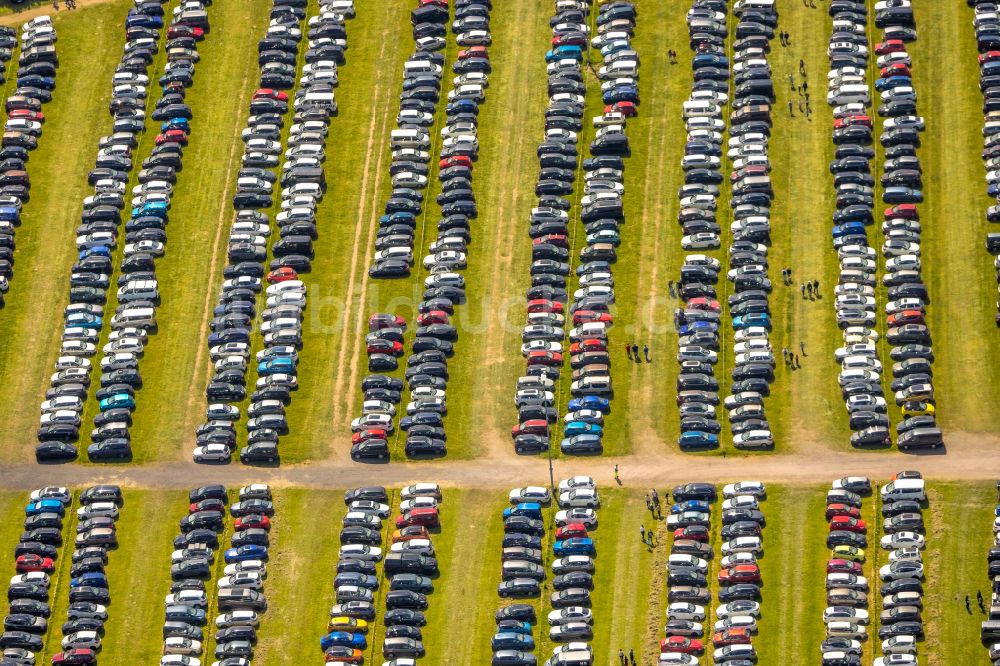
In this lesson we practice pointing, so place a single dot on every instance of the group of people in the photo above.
(632, 351)
(810, 289)
(70, 4)
(653, 505)
(803, 90)
(784, 38)
(979, 600)
(623, 660)
(672, 56)
(791, 358)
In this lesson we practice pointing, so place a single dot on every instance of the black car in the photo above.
(519, 612)
(695, 491)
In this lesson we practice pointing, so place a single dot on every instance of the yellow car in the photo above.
(917, 409)
(351, 624)
(852, 553)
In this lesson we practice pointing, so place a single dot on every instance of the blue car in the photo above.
(175, 123)
(9, 214)
(102, 250)
(582, 428)
(84, 320)
(566, 51)
(621, 94)
(849, 229)
(155, 208)
(143, 21)
(752, 319)
(513, 626)
(698, 439)
(574, 546)
(614, 46)
(343, 638)
(892, 81)
(688, 329)
(116, 401)
(896, 195)
(45, 506)
(36, 81)
(276, 365)
(529, 509)
(508, 640)
(690, 505)
(90, 579)
(247, 552)
(595, 402)
(710, 60)
(397, 218)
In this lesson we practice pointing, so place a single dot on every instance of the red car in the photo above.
(32, 562)
(702, 303)
(455, 160)
(569, 40)
(381, 320)
(895, 69)
(847, 524)
(544, 305)
(889, 46)
(439, 3)
(908, 211)
(746, 172)
(843, 566)
(282, 274)
(682, 644)
(851, 121)
(77, 656)
(371, 433)
(731, 636)
(532, 427)
(425, 516)
(842, 510)
(211, 504)
(741, 573)
(906, 317)
(989, 56)
(172, 136)
(587, 316)
(474, 52)
(692, 532)
(540, 357)
(252, 522)
(433, 317)
(392, 347)
(555, 239)
(590, 344)
(627, 109)
(571, 531)
(176, 31)
(28, 114)
(268, 93)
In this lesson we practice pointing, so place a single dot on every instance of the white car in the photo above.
(910, 554)
(418, 502)
(675, 561)
(530, 494)
(901, 569)
(752, 488)
(239, 618)
(685, 611)
(179, 645)
(581, 497)
(737, 621)
(845, 614)
(740, 502)
(895, 660)
(360, 552)
(737, 559)
(570, 614)
(257, 566)
(902, 540)
(195, 598)
(96, 509)
(900, 645)
(577, 482)
(745, 544)
(588, 517)
(82, 640)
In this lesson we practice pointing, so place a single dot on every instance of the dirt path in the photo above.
(20, 17)
(971, 457)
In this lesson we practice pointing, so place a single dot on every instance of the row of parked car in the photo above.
(990, 627)
(900, 622)
(848, 93)
(89, 596)
(847, 540)
(22, 129)
(427, 367)
(739, 578)
(752, 192)
(303, 185)
(97, 238)
(411, 142)
(138, 292)
(987, 25)
(191, 564)
(26, 623)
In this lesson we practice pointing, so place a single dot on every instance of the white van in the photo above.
(409, 138)
(317, 99)
(138, 317)
(619, 68)
(575, 658)
(418, 67)
(701, 108)
(904, 489)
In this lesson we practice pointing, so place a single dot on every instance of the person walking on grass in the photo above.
(802, 286)
(635, 352)
(645, 351)
(642, 532)
(617, 480)
(621, 658)
(802, 66)
(802, 347)
(631, 655)
(628, 351)
(791, 113)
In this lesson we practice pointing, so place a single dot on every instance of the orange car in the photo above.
(410, 533)
(731, 636)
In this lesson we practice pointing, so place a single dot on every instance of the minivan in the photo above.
(241, 599)
(409, 138)
(904, 489)
(920, 438)
(138, 317)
